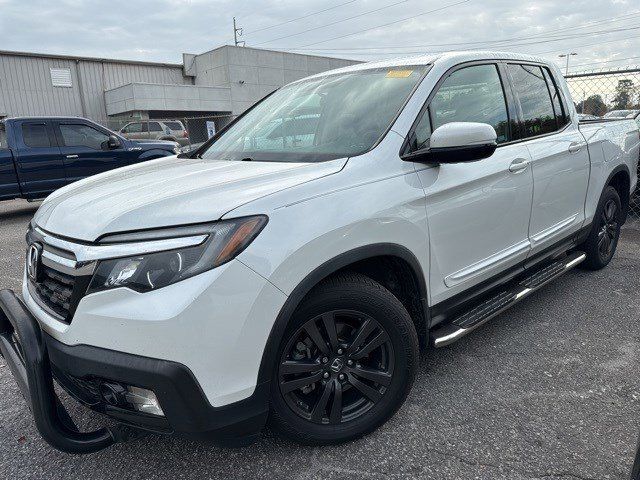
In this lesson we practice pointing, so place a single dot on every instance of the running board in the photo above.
(485, 311)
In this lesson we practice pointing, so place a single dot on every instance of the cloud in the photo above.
(163, 30)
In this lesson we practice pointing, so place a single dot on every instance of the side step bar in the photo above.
(485, 311)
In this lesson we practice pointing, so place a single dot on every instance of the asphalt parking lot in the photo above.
(550, 389)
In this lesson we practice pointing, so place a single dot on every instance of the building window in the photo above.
(61, 77)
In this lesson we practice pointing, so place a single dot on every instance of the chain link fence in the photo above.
(608, 94)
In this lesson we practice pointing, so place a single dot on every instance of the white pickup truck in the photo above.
(291, 269)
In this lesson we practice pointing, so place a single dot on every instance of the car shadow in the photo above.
(20, 211)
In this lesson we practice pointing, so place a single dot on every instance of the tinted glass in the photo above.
(535, 100)
(472, 94)
(174, 125)
(561, 115)
(133, 128)
(35, 135)
(332, 116)
(422, 134)
(82, 136)
(3, 137)
(155, 127)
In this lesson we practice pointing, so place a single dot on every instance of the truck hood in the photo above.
(167, 192)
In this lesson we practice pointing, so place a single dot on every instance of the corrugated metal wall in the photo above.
(26, 87)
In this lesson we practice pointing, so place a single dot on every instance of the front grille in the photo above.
(55, 290)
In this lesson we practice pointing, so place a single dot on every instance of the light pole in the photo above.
(567, 55)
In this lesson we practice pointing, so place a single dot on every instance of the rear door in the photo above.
(85, 151)
(38, 160)
(8, 177)
(559, 156)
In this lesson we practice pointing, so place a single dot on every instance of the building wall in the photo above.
(247, 73)
(26, 88)
(252, 73)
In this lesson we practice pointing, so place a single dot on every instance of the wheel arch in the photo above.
(620, 179)
(357, 259)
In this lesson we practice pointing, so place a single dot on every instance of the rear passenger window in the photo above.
(155, 127)
(471, 94)
(35, 135)
(562, 118)
(535, 100)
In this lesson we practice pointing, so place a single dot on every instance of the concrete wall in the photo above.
(183, 98)
(252, 73)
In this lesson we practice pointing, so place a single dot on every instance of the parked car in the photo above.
(296, 281)
(40, 155)
(169, 130)
(621, 114)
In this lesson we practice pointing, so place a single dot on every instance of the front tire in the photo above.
(346, 363)
(602, 241)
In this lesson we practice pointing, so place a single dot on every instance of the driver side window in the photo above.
(471, 94)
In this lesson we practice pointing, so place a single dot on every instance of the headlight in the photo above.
(224, 241)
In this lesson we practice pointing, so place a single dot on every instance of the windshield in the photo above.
(323, 118)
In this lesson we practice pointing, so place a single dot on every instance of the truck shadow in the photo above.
(17, 211)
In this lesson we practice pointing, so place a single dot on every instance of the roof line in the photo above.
(87, 59)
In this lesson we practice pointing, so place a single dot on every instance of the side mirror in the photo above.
(113, 142)
(457, 142)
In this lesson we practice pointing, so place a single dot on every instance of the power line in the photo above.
(546, 34)
(333, 23)
(302, 17)
(390, 23)
(510, 45)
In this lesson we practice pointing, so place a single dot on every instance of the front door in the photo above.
(559, 156)
(478, 212)
(85, 152)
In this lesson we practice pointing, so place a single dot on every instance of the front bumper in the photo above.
(35, 358)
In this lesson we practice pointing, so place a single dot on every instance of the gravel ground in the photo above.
(547, 390)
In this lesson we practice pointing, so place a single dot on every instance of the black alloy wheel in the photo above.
(345, 364)
(609, 228)
(600, 245)
(336, 367)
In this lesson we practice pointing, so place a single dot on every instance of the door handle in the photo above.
(575, 147)
(72, 156)
(518, 165)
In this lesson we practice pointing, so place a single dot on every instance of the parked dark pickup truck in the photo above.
(40, 155)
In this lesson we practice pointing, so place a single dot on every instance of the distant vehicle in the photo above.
(586, 116)
(169, 130)
(40, 155)
(621, 114)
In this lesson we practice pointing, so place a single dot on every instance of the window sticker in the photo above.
(399, 73)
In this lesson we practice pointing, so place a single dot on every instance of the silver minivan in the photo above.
(172, 130)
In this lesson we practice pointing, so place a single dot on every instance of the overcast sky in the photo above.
(161, 30)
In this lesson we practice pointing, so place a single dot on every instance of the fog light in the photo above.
(143, 400)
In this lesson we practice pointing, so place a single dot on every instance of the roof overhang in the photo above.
(154, 96)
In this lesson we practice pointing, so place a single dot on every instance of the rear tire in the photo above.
(345, 364)
(602, 241)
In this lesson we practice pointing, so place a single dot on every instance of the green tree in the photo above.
(593, 105)
(624, 94)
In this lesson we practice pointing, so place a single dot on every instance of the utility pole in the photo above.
(237, 32)
(567, 55)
